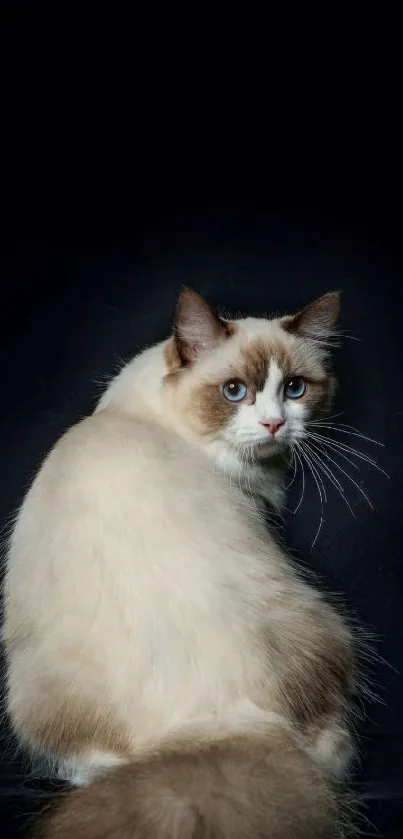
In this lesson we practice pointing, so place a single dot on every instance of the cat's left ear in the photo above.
(197, 327)
(317, 320)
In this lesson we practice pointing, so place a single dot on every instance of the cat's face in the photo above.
(253, 383)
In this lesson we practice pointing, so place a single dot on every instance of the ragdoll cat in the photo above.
(163, 654)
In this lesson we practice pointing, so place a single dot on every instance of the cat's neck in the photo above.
(258, 478)
(137, 389)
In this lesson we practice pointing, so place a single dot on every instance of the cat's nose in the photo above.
(272, 425)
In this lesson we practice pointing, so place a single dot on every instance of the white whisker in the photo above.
(314, 471)
(305, 447)
(309, 464)
(243, 452)
(337, 447)
(315, 455)
(303, 481)
(353, 338)
(335, 481)
(295, 464)
(326, 419)
(249, 451)
(335, 444)
(344, 456)
(341, 428)
(360, 489)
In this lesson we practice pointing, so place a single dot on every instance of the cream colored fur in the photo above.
(142, 583)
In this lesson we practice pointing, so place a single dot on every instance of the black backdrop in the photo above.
(83, 290)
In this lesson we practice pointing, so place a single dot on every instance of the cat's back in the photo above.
(135, 574)
(109, 446)
(118, 491)
(111, 460)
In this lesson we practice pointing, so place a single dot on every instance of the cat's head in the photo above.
(252, 383)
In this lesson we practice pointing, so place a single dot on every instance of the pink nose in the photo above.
(273, 425)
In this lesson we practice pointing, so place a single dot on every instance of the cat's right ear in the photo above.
(197, 327)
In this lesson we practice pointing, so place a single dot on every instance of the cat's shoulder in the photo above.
(111, 431)
(111, 438)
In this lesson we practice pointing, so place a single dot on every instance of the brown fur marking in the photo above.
(172, 358)
(246, 787)
(316, 688)
(197, 326)
(318, 685)
(317, 317)
(256, 357)
(254, 364)
(211, 408)
(316, 394)
(208, 406)
(67, 725)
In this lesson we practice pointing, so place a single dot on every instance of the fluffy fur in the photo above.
(255, 785)
(156, 635)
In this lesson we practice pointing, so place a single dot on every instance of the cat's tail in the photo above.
(257, 785)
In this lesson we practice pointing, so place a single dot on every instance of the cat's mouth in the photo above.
(261, 443)
(280, 440)
(266, 444)
(271, 445)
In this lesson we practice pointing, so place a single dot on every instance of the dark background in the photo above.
(84, 288)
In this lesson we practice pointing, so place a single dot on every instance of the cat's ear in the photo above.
(197, 327)
(317, 320)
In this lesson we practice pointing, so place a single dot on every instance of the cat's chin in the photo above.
(268, 448)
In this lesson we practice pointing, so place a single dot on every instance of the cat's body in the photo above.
(151, 619)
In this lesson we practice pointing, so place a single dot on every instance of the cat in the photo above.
(163, 654)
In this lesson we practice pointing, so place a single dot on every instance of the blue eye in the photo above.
(294, 387)
(235, 391)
